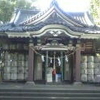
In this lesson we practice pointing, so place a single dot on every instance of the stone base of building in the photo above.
(29, 83)
(77, 83)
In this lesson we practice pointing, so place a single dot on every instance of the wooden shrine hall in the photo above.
(50, 46)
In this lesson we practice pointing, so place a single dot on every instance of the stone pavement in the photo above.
(22, 86)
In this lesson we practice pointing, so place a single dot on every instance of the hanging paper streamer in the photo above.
(50, 60)
(66, 58)
(59, 61)
(42, 58)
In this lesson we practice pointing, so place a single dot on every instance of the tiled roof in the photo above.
(76, 21)
(24, 28)
(23, 14)
(83, 17)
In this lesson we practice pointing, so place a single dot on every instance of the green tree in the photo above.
(7, 8)
(22, 4)
(95, 10)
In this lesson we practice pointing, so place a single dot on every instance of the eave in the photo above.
(18, 34)
(44, 30)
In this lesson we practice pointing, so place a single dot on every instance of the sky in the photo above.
(66, 5)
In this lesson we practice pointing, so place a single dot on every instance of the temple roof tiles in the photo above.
(34, 20)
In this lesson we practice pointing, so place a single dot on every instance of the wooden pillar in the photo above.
(77, 64)
(31, 63)
(46, 66)
(62, 65)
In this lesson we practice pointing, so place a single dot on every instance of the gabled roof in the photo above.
(21, 15)
(35, 20)
(77, 18)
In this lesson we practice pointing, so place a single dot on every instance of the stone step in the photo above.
(43, 94)
(50, 90)
(48, 98)
(50, 93)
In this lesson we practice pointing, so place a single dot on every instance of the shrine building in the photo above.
(50, 46)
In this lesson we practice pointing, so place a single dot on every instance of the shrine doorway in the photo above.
(58, 67)
(54, 62)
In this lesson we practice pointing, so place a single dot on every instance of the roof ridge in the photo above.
(54, 4)
(53, 7)
(35, 16)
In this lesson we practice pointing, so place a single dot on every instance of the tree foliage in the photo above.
(22, 4)
(7, 8)
(95, 10)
